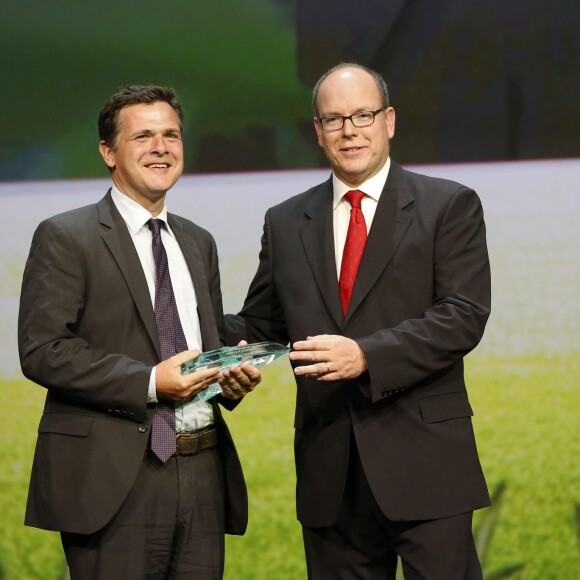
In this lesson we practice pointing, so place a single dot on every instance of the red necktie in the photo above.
(356, 239)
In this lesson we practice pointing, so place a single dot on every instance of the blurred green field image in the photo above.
(232, 64)
(526, 421)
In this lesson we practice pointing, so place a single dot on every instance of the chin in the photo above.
(163, 186)
(355, 177)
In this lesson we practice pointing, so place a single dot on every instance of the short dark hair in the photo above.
(133, 95)
(377, 77)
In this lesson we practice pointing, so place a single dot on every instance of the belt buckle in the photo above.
(190, 443)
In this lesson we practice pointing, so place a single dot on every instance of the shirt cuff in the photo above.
(152, 391)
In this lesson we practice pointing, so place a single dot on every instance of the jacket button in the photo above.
(142, 428)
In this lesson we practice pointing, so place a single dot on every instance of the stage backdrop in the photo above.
(470, 80)
(522, 379)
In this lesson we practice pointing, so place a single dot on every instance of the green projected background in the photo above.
(470, 81)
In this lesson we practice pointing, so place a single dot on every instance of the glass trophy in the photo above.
(258, 354)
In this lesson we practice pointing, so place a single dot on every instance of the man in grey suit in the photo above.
(88, 333)
(386, 459)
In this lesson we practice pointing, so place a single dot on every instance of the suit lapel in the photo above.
(390, 223)
(318, 240)
(201, 284)
(118, 240)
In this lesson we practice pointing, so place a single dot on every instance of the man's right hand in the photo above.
(171, 384)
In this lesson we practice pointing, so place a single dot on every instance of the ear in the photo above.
(319, 130)
(107, 154)
(390, 121)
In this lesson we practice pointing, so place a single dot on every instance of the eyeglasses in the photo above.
(362, 119)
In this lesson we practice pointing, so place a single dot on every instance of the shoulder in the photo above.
(428, 191)
(300, 202)
(77, 221)
(421, 182)
(187, 226)
(85, 213)
(186, 230)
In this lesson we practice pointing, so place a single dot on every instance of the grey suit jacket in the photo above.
(419, 305)
(87, 334)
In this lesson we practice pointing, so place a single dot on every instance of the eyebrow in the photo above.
(151, 132)
(359, 110)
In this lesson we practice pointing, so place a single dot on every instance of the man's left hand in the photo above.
(332, 357)
(237, 382)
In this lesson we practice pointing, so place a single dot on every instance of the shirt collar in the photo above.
(372, 187)
(135, 215)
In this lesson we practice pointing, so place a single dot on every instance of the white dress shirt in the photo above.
(372, 188)
(188, 416)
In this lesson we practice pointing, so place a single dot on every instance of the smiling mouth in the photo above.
(348, 150)
(158, 166)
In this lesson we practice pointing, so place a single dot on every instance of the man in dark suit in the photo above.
(89, 334)
(386, 459)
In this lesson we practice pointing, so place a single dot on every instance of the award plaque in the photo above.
(258, 354)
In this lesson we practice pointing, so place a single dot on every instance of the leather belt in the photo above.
(192, 443)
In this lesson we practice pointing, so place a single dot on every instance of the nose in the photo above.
(158, 144)
(348, 128)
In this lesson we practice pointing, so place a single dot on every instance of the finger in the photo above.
(254, 377)
(245, 369)
(235, 372)
(210, 373)
(319, 369)
(322, 368)
(306, 345)
(306, 370)
(316, 343)
(243, 379)
(232, 376)
(184, 356)
(201, 378)
(322, 340)
(306, 355)
(250, 370)
(231, 391)
(247, 377)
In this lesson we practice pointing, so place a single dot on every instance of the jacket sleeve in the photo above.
(57, 346)
(449, 329)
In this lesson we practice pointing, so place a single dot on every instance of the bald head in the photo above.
(346, 68)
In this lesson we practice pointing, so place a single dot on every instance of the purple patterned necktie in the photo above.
(171, 339)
